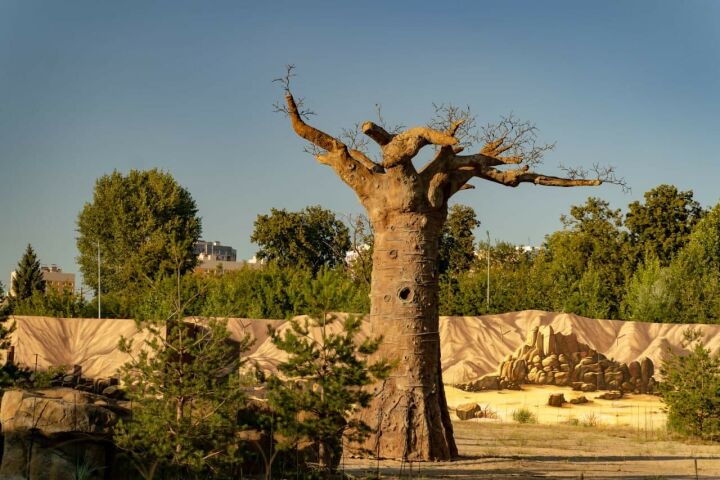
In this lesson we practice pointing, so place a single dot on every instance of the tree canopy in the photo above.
(457, 242)
(28, 276)
(145, 225)
(311, 238)
(662, 224)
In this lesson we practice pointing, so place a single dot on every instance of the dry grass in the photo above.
(602, 439)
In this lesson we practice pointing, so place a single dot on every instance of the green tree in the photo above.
(186, 389)
(651, 295)
(694, 274)
(134, 219)
(311, 238)
(457, 242)
(362, 248)
(5, 328)
(663, 223)
(584, 266)
(28, 276)
(52, 303)
(691, 390)
(273, 292)
(323, 378)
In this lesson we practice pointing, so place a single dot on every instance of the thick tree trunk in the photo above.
(409, 410)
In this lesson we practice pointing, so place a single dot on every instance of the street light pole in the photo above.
(488, 271)
(98, 290)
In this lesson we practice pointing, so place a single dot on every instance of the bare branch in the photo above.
(456, 121)
(353, 139)
(514, 177)
(311, 134)
(381, 132)
(516, 138)
(404, 146)
(377, 133)
(279, 107)
(605, 173)
(392, 129)
(285, 79)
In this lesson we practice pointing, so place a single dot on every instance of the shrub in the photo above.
(691, 390)
(590, 420)
(523, 415)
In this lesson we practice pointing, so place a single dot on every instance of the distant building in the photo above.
(54, 278)
(217, 267)
(215, 258)
(208, 251)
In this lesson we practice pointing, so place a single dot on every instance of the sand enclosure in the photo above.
(639, 412)
(471, 346)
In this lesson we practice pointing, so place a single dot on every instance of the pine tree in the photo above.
(320, 385)
(691, 390)
(186, 391)
(28, 277)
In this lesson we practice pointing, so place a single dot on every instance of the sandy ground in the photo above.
(628, 441)
(640, 412)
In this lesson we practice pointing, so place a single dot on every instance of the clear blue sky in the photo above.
(91, 86)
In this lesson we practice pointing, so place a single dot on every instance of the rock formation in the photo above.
(52, 434)
(550, 358)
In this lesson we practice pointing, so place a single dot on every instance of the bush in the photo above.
(590, 420)
(322, 383)
(523, 415)
(691, 390)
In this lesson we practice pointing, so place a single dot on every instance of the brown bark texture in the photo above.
(407, 209)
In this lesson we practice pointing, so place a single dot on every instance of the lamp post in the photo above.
(488, 271)
(98, 275)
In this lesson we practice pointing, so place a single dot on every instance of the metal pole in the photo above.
(98, 289)
(488, 271)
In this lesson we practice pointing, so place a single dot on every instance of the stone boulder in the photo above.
(610, 396)
(486, 382)
(556, 400)
(579, 400)
(49, 433)
(467, 411)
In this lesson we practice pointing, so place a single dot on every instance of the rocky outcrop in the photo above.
(550, 358)
(51, 434)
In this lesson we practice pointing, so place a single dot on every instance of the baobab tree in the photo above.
(407, 207)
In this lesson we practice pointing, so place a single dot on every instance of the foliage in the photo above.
(322, 379)
(311, 238)
(523, 415)
(362, 241)
(271, 291)
(662, 224)
(694, 274)
(136, 219)
(691, 389)
(186, 393)
(456, 251)
(28, 276)
(586, 261)
(650, 295)
(52, 303)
